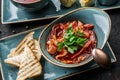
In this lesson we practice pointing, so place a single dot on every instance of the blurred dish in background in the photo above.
(12, 14)
(67, 3)
(107, 2)
(87, 3)
(30, 5)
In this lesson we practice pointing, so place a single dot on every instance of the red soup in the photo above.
(27, 1)
(71, 42)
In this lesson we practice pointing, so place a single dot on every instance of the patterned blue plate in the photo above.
(50, 71)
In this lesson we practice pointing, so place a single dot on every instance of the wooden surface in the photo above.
(95, 74)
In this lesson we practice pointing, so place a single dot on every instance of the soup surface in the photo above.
(27, 1)
(71, 42)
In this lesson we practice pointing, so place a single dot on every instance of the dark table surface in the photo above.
(94, 74)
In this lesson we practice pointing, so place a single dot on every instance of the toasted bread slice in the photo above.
(27, 40)
(15, 61)
(14, 56)
(29, 65)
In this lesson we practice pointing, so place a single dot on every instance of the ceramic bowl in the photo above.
(107, 2)
(98, 17)
(30, 6)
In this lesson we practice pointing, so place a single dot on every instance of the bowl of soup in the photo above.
(30, 5)
(69, 40)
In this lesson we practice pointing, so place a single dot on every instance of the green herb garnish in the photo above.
(71, 40)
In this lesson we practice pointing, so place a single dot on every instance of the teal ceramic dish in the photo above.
(107, 2)
(50, 71)
(11, 14)
(98, 17)
(30, 6)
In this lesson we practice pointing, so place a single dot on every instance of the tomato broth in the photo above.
(71, 42)
(27, 1)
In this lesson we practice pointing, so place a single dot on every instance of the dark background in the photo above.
(94, 74)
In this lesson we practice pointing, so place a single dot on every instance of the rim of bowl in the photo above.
(21, 2)
(90, 57)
